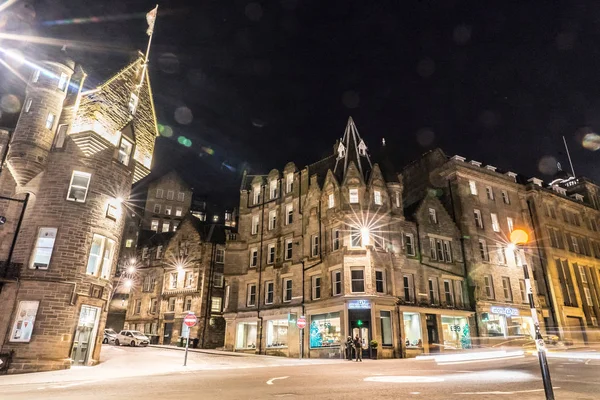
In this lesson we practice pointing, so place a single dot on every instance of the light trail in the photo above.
(88, 46)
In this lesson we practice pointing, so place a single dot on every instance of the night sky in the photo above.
(255, 84)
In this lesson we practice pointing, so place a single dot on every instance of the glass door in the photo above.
(85, 334)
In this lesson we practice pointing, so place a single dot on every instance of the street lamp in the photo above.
(518, 238)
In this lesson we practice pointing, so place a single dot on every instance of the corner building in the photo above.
(71, 161)
(330, 242)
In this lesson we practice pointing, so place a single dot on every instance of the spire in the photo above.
(352, 148)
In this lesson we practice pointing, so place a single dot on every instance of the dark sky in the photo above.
(268, 82)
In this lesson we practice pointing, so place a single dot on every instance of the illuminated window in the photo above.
(44, 245)
(101, 255)
(218, 280)
(50, 120)
(178, 211)
(166, 226)
(473, 188)
(125, 148)
(133, 103)
(377, 197)
(331, 201)
(289, 182)
(168, 210)
(272, 219)
(510, 223)
(495, 224)
(78, 188)
(154, 225)
(353, 196)
(36, 75)
(28, 104)
(129, 243)
(62, 81)
(273, 188)
(215, 304)
(433, 216)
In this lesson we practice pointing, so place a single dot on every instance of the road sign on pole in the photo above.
(301, 322)
(189, 321)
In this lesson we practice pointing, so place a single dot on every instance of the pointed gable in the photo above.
(105, 110)
(352, 149)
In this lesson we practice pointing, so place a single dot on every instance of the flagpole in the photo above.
(145, 66)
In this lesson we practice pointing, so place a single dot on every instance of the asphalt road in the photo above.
(222, 377)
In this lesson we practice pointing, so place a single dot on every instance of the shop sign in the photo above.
(359, 305)
(505, 311)
(455, 328)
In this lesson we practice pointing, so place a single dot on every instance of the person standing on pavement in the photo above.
(349, 346)
(358, 348)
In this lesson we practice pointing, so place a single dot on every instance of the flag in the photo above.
(151, 18)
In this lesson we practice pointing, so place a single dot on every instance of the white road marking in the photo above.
(404, 379)
(270, 381)
(513, 392)
(415, 392)
(69, 384)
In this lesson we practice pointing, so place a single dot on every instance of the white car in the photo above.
(132, 338)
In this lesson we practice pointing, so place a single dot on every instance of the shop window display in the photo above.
(456, 333)
(412, 330)
(246, 335)
(325, 330)
(277, 333)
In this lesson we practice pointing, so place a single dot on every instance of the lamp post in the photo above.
(518, 238)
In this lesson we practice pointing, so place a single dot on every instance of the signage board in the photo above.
(301, 322)
(504, 311)
(190, 320)
(359, 305)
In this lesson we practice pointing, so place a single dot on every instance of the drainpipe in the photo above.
(471, 294)
(262, 230)
(207, 304)
(544, 269)
(18, 228)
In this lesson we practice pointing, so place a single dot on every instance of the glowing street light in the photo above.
(365, 236)
(128, 283)
(518, 238)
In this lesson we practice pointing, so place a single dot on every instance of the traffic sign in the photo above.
(301, 322)
(190, 320)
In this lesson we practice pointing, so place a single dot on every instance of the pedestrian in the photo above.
(358, 348)
(349, 346)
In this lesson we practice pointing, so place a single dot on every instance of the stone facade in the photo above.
(330, 242)
(179, 273)
(70, 197)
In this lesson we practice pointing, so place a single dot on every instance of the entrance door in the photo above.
(85, 335)
(432, 333)
(360, 324)
(575, 329)
(167, 333)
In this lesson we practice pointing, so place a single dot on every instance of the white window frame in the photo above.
(256, 194)
(316, 287)
(178, 211)
(336, 276)
(254, 230)
(510, 223)
(506, 288)
(488, 286)
(353, 196)
(154, 224)
(189, 279)
(447, 250)
(489, 192)
(180, 196)
(433, 216)
(133, 103)
(483, 250)
(86, 188)
(478, 218)
(273, 189)
(271, 253)
(62, 81)
(218, 280)
(289, 247)
(50, 120)
(46, 231)
(377, 198)
(159, 252)
(170, 194)
(501, 254)
(272, 219)
(253, 257)
(171, 304)
(159, 193)
(314, 245)
(289, 182)
(220, 256)
(104, 262)
(473, 187)
(168, 210)
(361, 269)
(383, 281)
(448, 291)
(397, 199)
(269, 290)
(216, 304)
(588, 297)
(505, 197)
(285, 290)
(166, 226)
(330, 200)
(336, 239)
(36, 75)
(409, 238)
(250, 292)
(495, 223)
(289, 214)
(582, 274)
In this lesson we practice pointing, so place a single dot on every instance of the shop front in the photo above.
(503, 323)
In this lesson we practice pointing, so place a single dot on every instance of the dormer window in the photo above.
(353, 196)
(125, 148)
(289, 182)
(273, 188)
(256, 194)
(133, 103)
(377, 197)
(362, 148)
(341, 151)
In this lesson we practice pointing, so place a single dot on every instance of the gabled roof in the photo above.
(352, 149)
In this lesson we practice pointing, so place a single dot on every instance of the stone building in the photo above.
(566, 217)
(72, 159)
(330, 242)
(178, 273)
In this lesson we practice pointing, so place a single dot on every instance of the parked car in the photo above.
(110, 336)
(132, 338)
